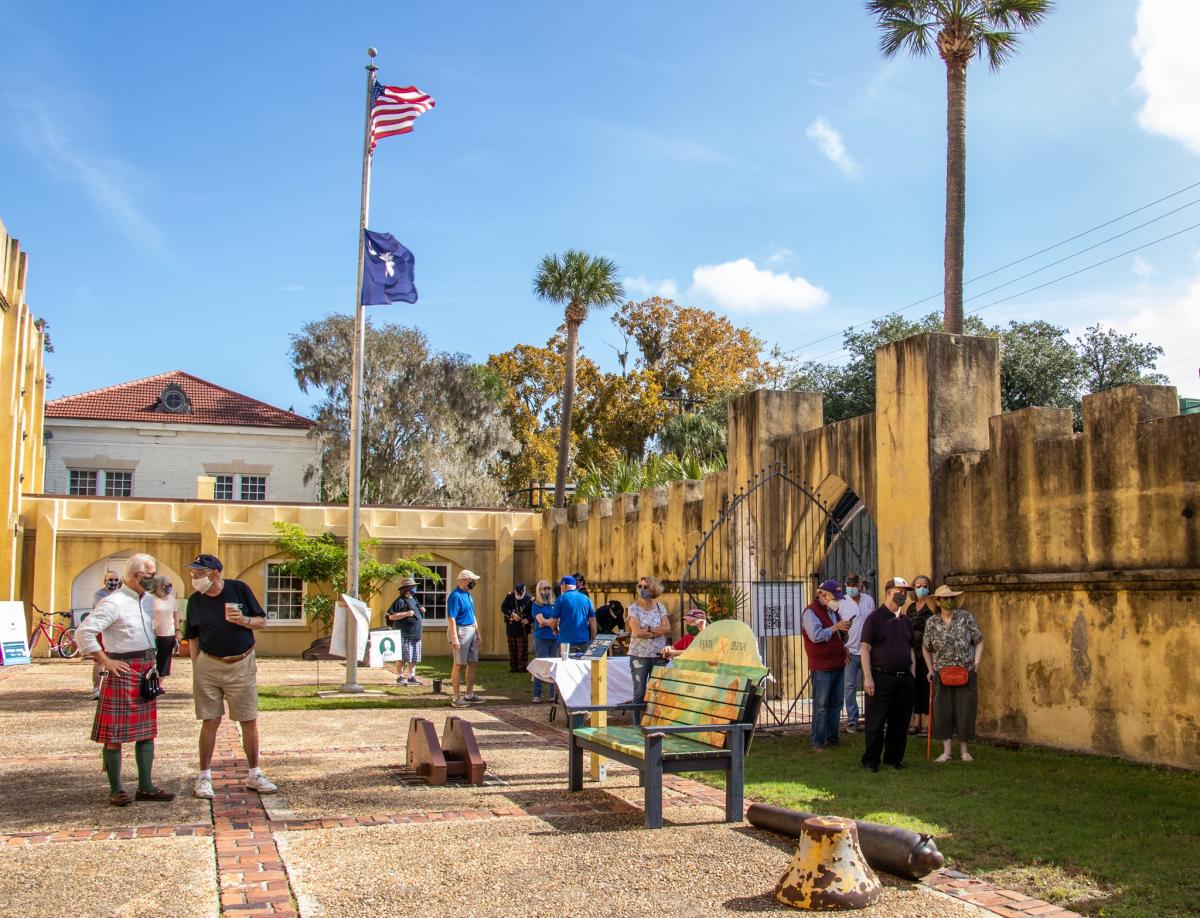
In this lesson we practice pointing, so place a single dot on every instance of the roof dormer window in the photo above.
(174, 400)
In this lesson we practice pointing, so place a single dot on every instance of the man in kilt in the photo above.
(122, 715)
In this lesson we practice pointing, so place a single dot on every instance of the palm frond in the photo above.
(997, 47)
(1013, 14)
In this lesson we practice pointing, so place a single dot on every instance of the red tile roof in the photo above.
(139, 401)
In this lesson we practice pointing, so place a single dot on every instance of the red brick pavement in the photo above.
(250, 871)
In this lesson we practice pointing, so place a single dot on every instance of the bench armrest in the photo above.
(587, 709)
(698, 728)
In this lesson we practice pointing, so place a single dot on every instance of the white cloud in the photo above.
(1165, 45)
(829, 141)
(639, 288)
(1141, 267)
(781, 255)
(1172, 321)
(741, 286)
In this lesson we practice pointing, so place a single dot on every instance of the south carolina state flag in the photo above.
(387, 271)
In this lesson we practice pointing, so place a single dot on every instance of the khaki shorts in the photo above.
(215, 683)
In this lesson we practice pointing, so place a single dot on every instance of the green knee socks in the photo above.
(143, 752)
(112, 768)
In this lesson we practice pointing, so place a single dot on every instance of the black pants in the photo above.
(888, 713)
(164, 648)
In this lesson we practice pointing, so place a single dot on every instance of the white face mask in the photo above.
(202, 584)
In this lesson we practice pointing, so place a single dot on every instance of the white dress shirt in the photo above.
(124, 621)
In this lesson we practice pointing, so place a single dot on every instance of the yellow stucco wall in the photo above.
(67, 535)
(22, 394)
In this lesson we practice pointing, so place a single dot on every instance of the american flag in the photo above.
(394, 108)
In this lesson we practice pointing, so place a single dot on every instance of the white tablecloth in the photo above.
(574, 679)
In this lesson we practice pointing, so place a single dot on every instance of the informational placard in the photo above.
(386, 643)
(14, 643)
(777, 608)
(362, 617)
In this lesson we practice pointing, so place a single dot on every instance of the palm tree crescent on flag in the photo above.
(394, 109)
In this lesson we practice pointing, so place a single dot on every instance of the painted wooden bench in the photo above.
(699, 715)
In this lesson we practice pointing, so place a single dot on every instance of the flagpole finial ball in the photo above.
(371, 52)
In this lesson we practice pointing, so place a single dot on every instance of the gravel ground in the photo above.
(163, 877)
(321, 784)
(532, 867)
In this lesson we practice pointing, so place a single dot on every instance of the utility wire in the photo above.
(1087, 232)
(1062, 277)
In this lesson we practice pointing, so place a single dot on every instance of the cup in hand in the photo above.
(233, 611)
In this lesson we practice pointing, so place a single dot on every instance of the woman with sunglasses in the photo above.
(545, 636)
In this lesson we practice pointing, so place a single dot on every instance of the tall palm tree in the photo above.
(962, 30)
(582, 282)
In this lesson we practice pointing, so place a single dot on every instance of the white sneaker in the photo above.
(203, 788)
(94, 693)
(260, 783)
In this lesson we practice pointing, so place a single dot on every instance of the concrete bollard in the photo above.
(828, 871)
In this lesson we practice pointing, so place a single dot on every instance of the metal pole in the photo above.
(356, 390)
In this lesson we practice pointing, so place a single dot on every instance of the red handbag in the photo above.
(954, 675)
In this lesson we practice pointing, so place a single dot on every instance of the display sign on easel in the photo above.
(14, 644)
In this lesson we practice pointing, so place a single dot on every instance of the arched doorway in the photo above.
(91, 578)
(761, 562)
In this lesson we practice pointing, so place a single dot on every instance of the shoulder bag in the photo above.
(954, 675)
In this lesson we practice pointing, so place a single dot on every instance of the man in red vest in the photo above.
(825, 647)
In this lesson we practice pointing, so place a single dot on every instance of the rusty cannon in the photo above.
(900, 852)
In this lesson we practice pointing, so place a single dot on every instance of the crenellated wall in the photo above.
(1080, 554)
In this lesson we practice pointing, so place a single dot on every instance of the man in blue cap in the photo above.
(825, 647)
(576, 617)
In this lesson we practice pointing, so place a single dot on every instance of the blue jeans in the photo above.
(544, 647)
(827, 706)
(853, 674)
(639, 669)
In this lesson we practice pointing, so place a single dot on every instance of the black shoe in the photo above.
(870, 767)
(899, 765)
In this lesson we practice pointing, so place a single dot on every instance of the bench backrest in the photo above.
(715, 681)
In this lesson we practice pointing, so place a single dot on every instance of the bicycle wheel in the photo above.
(66, 644)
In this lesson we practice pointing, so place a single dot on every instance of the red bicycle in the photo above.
(60, 638)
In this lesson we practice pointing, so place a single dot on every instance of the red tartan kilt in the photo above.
(121, 714)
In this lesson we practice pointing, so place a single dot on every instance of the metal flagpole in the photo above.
(356, 390)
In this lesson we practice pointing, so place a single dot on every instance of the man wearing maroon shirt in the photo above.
(889, 671)
(825, 648)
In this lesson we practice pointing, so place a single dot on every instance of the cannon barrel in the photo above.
(900, 852)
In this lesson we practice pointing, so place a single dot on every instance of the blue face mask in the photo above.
(852, 592)
(644, 592)
(922, 592)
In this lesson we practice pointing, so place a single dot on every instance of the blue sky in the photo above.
(185, 177)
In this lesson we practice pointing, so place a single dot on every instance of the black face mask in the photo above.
(470, 584)
(112, 584)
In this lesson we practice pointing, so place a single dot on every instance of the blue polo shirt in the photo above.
(543, 632)
(461, 607)
(573, 609)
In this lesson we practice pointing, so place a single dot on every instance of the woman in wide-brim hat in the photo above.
(953, 647)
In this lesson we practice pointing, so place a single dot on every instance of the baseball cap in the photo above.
(567, 580)
(696, 615)
(896, 583)
(207, 563)
(832, 586)
(468, 575)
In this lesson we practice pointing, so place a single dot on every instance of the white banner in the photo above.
(14, 642)
(362, 618)
(777, 608)
(385, 643)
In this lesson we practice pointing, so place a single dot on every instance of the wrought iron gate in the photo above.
(761, 562)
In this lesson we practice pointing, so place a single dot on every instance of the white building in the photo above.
(154, 437)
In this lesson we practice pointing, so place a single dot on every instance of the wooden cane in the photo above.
(929, 726)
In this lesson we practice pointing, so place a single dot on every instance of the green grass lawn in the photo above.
(492, 680)
(1099, 836)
